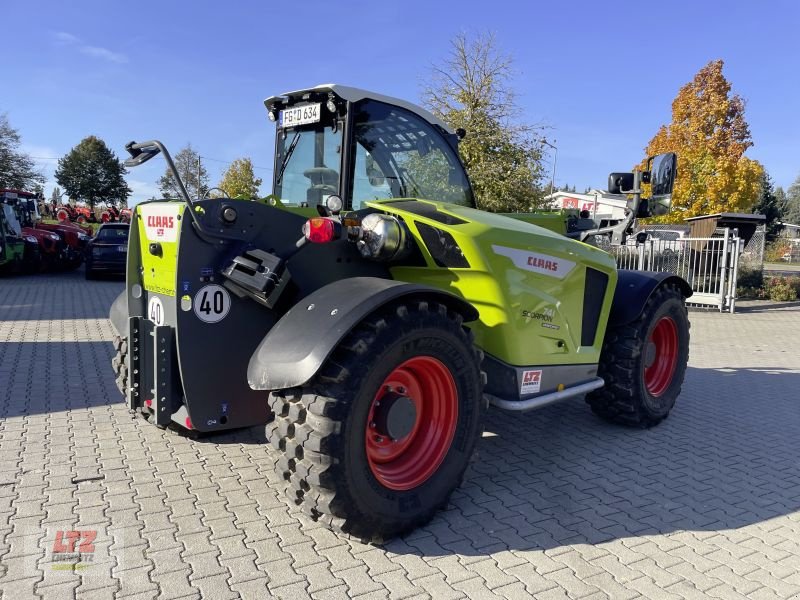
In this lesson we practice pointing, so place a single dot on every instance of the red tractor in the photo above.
(84, 214)
(51, 247)
(111, 214)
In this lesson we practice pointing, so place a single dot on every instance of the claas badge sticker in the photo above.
(531, 382)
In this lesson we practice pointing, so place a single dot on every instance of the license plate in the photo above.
(122, 248)
(299, 115)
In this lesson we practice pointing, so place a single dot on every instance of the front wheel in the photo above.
(375, 444)
(644, 362)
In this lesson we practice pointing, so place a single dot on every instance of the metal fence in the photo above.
(710, 265)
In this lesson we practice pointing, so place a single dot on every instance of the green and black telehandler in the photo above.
(367, 313)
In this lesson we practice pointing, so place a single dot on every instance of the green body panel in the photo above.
(527, 316)
(12, 252)
(160, 223)
(12, 246)
(555, 221)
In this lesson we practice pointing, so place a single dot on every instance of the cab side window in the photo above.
(400, 155)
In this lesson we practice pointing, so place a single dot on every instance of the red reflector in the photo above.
(148, 403)
(188, 423)
(319, 230)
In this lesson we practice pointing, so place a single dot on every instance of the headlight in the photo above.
(83, 237)
(54, 237)
(31, 239)
(381, 237)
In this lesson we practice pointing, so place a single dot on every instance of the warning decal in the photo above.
(531, 382)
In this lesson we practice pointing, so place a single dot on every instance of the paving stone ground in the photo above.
(556, 505)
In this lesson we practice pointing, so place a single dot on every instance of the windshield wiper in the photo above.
(286, 158)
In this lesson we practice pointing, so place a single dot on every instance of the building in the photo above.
(604, 207)
(789, 230)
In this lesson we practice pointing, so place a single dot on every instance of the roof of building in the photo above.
(730, 216)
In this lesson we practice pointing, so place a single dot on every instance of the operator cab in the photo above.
(339, 147)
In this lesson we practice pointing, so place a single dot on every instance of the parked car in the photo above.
(107, 252)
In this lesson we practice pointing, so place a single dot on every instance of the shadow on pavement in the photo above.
(725, 458)
(765, 307)
(55, 296)
(52, 377)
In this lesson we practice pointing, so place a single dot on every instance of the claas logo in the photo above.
(160, 223)
(531, 377)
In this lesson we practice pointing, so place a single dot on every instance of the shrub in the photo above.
(782, 289)
(750, 278)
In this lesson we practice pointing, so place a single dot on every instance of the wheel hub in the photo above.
(661, 356)
(395, 415)
(411, 423)
(649, 354)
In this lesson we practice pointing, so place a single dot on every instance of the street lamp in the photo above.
(555, 160)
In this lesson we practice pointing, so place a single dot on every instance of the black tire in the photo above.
(320, 430)
(120, 364)
(626, 398)
(89, 274)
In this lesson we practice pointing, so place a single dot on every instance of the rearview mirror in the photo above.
(663, 170)
(620, 183)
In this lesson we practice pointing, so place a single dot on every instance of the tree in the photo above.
(710, 135)
(471, 89)
(769, 205)
(192, 173)
(93, 173)
(55, 197)
(17, 169)
(792, 210)
(239, 181)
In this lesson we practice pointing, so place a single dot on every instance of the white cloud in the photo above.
(104, 53)
(67, 39)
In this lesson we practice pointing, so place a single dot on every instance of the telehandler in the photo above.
(367, 312)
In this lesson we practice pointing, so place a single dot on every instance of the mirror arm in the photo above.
(153, 147)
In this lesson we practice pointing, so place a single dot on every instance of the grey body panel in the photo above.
(119, 314)
(633, 290)
(295, 349)
(505, 381)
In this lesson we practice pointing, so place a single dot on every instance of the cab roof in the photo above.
(352, 94)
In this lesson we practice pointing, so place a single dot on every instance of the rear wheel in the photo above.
(644, 362)
(377, 442)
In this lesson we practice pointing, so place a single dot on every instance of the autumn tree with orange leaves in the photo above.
(710, 135)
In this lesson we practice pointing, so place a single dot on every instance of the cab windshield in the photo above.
(308, 163)
(12, 224)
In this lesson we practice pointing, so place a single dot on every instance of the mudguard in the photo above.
(119, 314)
(297, 346)
(634, 289)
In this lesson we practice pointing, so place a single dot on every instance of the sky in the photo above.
(601, 76)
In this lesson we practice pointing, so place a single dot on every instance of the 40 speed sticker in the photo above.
(212, 303)
(155, 310)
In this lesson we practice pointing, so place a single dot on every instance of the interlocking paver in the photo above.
(557, 504)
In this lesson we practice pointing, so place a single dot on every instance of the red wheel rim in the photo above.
(661, 356)
(407, 462)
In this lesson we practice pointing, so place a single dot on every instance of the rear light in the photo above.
(321, 230)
